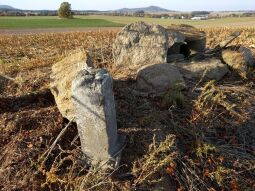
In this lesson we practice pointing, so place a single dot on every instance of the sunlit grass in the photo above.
(53, 22)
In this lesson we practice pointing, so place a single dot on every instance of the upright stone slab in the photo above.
(95, 114)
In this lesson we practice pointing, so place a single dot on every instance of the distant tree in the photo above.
(195, 13)
(248, 14)
(139, 13)
(65, 10)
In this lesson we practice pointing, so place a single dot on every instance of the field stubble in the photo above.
(205, 144)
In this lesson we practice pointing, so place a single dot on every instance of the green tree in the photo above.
(65, 10)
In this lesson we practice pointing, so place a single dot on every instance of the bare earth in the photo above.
(55, 30)
(64, 30)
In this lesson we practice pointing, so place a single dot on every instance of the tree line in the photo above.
(65, 11)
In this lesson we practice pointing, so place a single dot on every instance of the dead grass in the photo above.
(204, 143)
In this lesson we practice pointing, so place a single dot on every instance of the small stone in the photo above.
(159, 78)
(5, 81)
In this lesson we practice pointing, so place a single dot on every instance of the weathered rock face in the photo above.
(159, 78)
(239, 59)
(94, 107)
(63, 73)
(248, 56)
(175, 58)
(209, 69)
(141, 44)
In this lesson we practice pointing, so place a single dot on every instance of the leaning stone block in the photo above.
(62, 76)
(94, 109)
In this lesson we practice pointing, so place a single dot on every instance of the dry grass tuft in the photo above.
(228, 99)
(160, 155)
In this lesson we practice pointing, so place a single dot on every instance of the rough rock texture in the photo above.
(209, 69)
(159, 78)
(195, 39)
(175, 58)
(239, 58)
(141, 44)
(62, 76)
(93, 100)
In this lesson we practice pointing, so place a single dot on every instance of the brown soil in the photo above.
(214, 148)
(55, 30)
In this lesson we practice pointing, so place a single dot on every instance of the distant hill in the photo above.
(7, 7)
(150, 9)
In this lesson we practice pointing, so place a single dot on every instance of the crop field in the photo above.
(52, 22)
(224, 22)
(206, 143)
(113, 21)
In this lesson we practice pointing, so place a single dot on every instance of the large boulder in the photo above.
(239, 59)
(63, 73)
(208, 69)
(140, 44)
(159, 78)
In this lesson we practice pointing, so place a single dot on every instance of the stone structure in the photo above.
(63, 73)
(85, 94)
(195, 40)
(141, 44)
(94, 109)
(208, 69)
(159, 78)
(239, 58)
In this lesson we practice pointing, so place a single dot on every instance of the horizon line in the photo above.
(131, 8)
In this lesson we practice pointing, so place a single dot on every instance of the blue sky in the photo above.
(179, 5)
